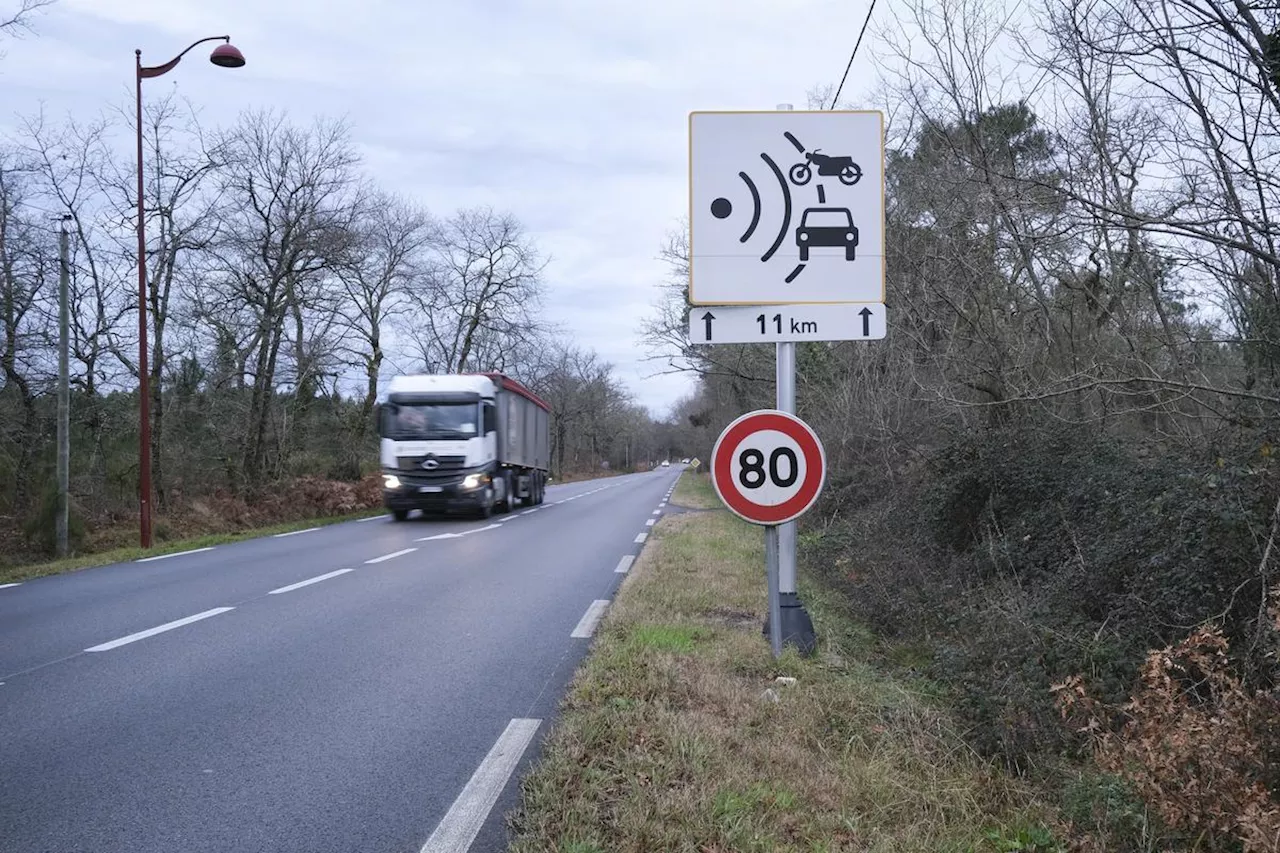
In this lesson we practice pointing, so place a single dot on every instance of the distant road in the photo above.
(367, 686)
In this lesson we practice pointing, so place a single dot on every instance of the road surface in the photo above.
(367, 686)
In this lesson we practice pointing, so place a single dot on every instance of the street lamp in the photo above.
(224, 56)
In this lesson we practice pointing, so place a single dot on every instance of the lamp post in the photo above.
(224, 56)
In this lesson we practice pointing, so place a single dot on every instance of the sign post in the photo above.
(786, 244)
(768, 467)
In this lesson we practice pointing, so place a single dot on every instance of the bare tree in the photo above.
(478, 305)
(13, 22)
(288, 205)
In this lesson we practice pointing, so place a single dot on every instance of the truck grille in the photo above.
(444, 464)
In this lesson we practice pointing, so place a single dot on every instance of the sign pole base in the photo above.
(796, 625)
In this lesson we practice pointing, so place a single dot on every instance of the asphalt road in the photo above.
(381, 708)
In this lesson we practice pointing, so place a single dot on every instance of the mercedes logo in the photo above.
(430, 463)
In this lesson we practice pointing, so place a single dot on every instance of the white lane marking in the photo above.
(650, 522)
(370, 518)
(640, 539)
(559, 502)
(461, 824)
(309, 581)
(440, 536)
(483, 529)
(587, 624)
(7, 585)
(159, 629)
(624, 565)
(391, 555)
(529, 511)
(657, 512)
(174, 554)
(661, 505)
(296, 532)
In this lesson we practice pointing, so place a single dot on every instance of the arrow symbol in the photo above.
(707, 318)
(865, 313)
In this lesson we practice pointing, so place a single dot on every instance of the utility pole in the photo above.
(64, 389)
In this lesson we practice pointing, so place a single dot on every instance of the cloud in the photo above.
(569, 113)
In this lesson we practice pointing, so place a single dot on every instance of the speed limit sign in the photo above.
(768, 467)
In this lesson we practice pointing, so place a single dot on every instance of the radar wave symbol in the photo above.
(722, 208)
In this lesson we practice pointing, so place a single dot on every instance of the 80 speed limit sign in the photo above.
(768, 467)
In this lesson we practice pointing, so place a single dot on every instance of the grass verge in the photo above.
(9, 574)
(675, 735)
(694, 491)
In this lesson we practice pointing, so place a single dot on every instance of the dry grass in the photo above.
(670, 740)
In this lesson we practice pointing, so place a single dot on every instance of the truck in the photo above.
(472, 442)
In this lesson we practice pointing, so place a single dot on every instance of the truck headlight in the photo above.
(390, 481)
(473, 481)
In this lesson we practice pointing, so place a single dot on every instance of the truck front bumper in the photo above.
(405, 493)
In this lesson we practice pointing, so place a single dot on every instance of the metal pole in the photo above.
(64, 390)
(144, 389)
(786, 381)
(775, 599)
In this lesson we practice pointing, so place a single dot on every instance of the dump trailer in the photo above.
(473, 442)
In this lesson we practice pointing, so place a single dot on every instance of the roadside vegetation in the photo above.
(678, 735)
(1052, 488)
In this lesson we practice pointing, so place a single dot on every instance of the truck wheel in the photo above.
(486, 507)
(400, 514)
(542, 488)
(508, 495)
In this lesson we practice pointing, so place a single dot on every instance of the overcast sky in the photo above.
(572, 114)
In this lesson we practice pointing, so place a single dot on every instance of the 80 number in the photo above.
(753, 476)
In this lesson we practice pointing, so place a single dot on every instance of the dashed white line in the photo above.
(658, 511)
(483, 529)
(461, 824)
(661, 505)
(7, 585)
(296, 532)
(587, 624)
(560, 502)
(174, 554)
(529, 511)
(640, 539)
(159, 629)
(393, 554)
(624, 565)
(650, 522)
(440, 536)
(309, 581)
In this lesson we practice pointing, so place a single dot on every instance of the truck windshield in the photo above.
(434, 420)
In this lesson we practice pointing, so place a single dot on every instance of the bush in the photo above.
(41, 529)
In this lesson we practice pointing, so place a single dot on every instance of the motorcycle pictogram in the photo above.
(828, 165)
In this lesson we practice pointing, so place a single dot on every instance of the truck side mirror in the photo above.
(386, 413)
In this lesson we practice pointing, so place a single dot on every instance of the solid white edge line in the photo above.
(439, 536)
(587, 624)
(174, 554)
(640, 539)
(370, 518)
(461, 824)
(296, 532)
(649, 522)
(159, 629)
(309, 581)
(400, 553)
(7, 585)
(483, 529)
(624, 565)
(559, 502)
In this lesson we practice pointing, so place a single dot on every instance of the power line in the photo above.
(861, 32)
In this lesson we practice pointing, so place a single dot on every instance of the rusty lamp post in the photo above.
(224, 56)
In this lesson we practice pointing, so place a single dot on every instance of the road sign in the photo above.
(768, 467)
(786, 207)
(755, 324)
(694, 463)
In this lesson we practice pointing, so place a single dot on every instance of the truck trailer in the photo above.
(474, 442)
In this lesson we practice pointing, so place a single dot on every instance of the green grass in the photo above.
(694, 491)
(9, 574)
(675, 735)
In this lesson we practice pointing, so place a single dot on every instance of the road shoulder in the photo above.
(680, 731)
